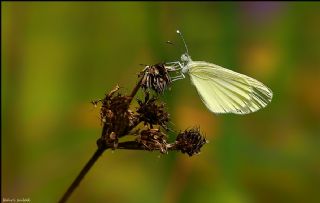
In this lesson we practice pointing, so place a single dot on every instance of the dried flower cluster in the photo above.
(119, 120)
(115, 116)
(190, 141)
(153, 139)
(152, 112)
(155, 77)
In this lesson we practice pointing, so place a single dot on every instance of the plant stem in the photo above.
(81, 175)
(135, 90)
(133, 145)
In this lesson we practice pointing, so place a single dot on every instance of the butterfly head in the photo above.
(185, 58)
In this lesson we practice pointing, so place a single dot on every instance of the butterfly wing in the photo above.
(225, 91)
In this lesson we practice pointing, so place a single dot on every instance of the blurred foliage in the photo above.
(58, 56)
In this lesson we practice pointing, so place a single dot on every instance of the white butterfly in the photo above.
(222, 90)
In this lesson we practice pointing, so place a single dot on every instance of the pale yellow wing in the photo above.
(225, 91)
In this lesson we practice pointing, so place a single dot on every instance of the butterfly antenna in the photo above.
(184, 42)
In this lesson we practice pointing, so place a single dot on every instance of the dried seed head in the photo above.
(112, 107)
(115, 115)
(152, 113)
(190, 141)
(153, 139)
(155, 77)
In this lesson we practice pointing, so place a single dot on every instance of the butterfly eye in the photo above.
(184, 58)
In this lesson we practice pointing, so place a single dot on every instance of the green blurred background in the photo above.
(58, 56)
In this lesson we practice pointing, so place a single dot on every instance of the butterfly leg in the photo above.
(176, 65)
(178, 77)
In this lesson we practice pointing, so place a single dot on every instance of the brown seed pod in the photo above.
(153, 139)
(190, 141)
(151, 112)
